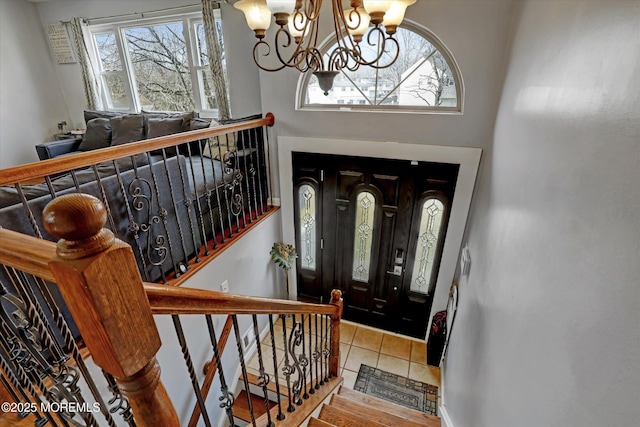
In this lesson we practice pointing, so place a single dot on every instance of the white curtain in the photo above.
(214, 50)
(91, 86)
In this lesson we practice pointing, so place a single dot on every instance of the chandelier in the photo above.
(295, 43)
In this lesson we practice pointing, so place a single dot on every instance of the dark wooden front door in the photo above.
(360, 227)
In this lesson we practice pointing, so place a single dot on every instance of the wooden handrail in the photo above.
(181, 300)
(16, 174)
(27, 253)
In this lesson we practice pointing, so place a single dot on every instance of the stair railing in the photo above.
(114, 311)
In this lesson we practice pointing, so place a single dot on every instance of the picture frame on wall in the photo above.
(60, 44)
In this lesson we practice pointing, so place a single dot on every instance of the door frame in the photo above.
(467, 157)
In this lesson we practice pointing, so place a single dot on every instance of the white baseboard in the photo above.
(274, 201)
(444, 416)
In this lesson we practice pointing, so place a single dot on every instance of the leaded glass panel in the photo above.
(307, 204)
(363, 240)
(428, 236)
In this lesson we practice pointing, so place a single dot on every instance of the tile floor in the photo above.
(364, 345)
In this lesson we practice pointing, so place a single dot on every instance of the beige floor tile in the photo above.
(425, 373)
(368, 339)
(349, 378)
(347, 331)
(359, 356)
(267, 359)
(393, 365)
(344, 352)
(419, 352)
(396, 346)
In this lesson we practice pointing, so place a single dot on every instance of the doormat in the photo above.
(400, 390)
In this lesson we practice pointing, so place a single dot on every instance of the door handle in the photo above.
(397, 271)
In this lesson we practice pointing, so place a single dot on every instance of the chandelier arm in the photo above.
(256, 54)
(390, 39)
(292, 61)
(315, 60)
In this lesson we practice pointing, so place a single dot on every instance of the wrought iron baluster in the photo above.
(188, 203)
(105, 199)
(295, 339)
(267, 155)
(243, 365)
(263, 378)
(162, 214)
(225, 170)
(52, 190)
(245, 156)
(287, 369)
(316, 353)
(280, 415)
(303, 360)
(226, 399)
(216, 188)
(320, 354)
(310, 358)
(134, 227)
(200, 216)
(237, 200)
(76, 183)
(253, 171)
(327, 352)
(192, 373)
(25, 204)
(184, 265)
(207, 194)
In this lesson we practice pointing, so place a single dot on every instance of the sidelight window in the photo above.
(307, 223)
(431, 218)
(363, 241)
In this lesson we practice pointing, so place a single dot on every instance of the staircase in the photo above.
(346, 408)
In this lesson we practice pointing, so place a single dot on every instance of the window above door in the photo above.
(425, 79)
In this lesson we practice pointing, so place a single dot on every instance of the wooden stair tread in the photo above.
(241, 406)
(341, 418)
(371, 413)
(421, 418)
(314, 422)
(302, 412)
(253, 379)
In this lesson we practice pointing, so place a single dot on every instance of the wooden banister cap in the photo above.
(77, 219)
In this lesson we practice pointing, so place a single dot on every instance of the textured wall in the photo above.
(547, 330)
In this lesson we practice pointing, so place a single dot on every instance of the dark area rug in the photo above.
(400, 390)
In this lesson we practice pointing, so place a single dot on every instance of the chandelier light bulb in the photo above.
(377, 8)
(281, 9)
(297, 25)
(357, 23)
(394, 16)
(257, 14)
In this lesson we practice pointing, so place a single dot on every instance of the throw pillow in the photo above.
(219, 147)
(163, 126)
(186, 116)
(98, 135)
(125, 129)
(98, 114)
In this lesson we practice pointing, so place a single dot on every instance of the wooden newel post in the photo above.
(334, 359)
(100, 282)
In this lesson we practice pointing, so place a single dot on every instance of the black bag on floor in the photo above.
(437, 338)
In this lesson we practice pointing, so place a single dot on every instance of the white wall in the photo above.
(31, 101)
(547, 332)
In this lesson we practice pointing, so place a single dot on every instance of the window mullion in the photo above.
(188, 27)
(127, 75)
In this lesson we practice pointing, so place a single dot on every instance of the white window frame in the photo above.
(189, 22)
(303, 82)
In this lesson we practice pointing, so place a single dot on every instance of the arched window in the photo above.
(424, 78)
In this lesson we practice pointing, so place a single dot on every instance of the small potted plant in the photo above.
(284, 256)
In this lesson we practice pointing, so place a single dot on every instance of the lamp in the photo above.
(295, 41)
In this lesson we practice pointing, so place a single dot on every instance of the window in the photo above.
(363, 240)
(156, 64)
(307, 221)
(423, 78)
(428, 237)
